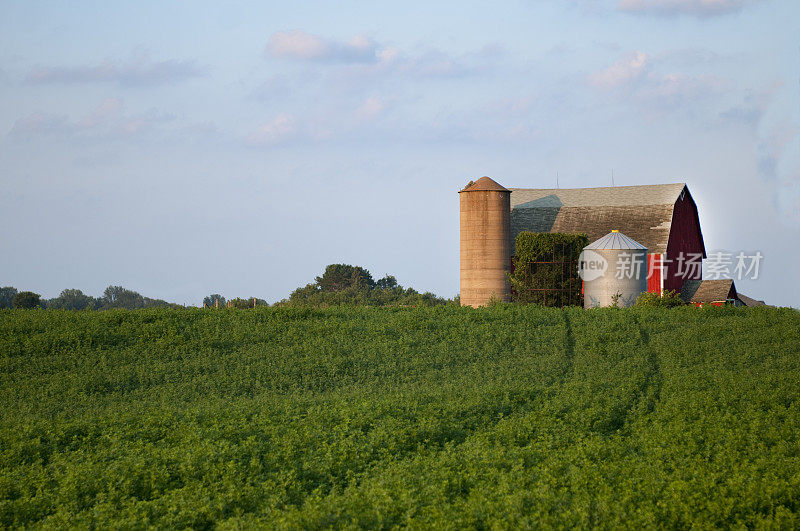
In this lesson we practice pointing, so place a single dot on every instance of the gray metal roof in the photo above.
(615, 240)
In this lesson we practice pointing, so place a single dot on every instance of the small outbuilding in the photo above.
(748, 301)
(713, 292)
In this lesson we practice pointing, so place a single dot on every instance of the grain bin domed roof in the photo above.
(615, 240)
(484, 184)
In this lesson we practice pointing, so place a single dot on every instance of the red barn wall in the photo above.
(654, 273)
(684, 237)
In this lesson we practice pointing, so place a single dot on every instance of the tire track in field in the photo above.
(569, 345)
(651, 387)
(653, 379)
(644, 401)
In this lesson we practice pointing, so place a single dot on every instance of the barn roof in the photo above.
(644, 213)
(708, 290)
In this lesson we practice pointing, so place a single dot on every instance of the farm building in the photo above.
(749, 301)
(662, 217)
(714, 292)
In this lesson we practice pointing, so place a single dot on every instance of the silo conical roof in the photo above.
(485, 184)
(615, 240)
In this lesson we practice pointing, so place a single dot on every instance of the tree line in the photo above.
(75, 299)
(344, 284)
(339, 284)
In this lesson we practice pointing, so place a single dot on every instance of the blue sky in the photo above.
(186, 148)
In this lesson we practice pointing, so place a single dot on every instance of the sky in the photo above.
(183, 148)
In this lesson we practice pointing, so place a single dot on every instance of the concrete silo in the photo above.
(613, 267)
(485, 242)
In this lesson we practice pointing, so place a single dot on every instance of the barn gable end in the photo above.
(685, 239)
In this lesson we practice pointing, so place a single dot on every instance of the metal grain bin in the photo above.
(613, 269)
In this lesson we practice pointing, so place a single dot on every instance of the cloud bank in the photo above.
(362, 55)
(297, 44)
(698, 8)
(637, 78)
(280, 129)
(107, 121)
(137, 71)
(622, 72)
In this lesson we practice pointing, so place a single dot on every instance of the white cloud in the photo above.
(297, 44)
(362, 43)
(778, 163)
(388, 55)
(371, 108)
(104, 111)
(675, 87)
(363, 55)
(774, 142)
(434, 64)
(700, 8)
(626, 70)
(280, 129)
(39, 123)
(136, 71)
(636, 79)
(108, 120)
(752, 108)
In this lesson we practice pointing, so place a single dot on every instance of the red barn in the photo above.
(662, 217)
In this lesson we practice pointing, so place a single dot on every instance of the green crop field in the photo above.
(378, 417)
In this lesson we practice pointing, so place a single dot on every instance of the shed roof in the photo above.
(615, 240)
(703, 291)
(748, 301)
(484, 184)
(643, 213)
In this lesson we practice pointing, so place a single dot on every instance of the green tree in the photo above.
(304, 295)
(212, 300)
(387, 282)
(72, 299)
(119, 297)
(246, 303)
(346, 285)
(27, 300)
(7, 295)
(341, 276)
